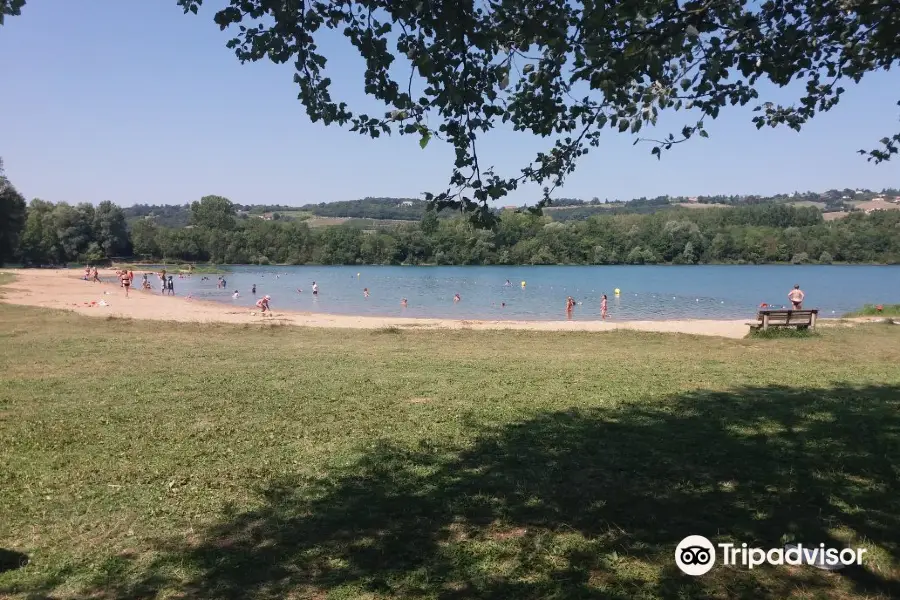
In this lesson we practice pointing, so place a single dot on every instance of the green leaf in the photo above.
(426, 137)
(703, 134)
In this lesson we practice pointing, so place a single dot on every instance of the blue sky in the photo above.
(135, 102)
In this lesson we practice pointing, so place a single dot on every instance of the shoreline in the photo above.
(64, 289)
(367, 265)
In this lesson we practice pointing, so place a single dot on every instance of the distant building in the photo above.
(265, 216)
(693, 200)
(407, 203)
(510, 207)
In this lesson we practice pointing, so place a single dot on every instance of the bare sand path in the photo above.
(64, 289)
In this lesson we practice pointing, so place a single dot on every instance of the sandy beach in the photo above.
(64, 289)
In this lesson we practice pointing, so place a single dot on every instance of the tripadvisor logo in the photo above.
(696, 555)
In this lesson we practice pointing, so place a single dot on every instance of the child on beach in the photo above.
(263, 304)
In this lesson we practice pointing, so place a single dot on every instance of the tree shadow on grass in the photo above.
(578, 504)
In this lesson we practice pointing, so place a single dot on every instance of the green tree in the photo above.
(12, 217)
(429, 222)
(39, 243)
(143, 238)
(73, 228)
(110, 230)
(213, 212)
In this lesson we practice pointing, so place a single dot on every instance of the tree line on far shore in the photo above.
(43, 233)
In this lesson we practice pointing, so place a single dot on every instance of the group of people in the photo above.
(126, 279)
(91, 274)
(571, 303)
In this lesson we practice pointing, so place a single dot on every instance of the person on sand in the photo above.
(796, 297)
(131, 277)
(171, 286)
(365, 292)
(126, 282)
(603, 307)
(87, 273)
(95, 275)
(263, 304)
(403, 303)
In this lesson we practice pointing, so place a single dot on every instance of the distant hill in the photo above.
(398, 210)
(404, 209)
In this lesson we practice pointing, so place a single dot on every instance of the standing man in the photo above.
(796, 297)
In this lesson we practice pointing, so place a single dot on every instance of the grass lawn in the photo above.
(154, 460)
(871, 310)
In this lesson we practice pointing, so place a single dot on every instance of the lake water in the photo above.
(647, 292)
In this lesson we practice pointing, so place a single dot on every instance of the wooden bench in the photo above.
(782, 317)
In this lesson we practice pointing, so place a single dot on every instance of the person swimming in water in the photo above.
(457, 298)
(508, 283)
(315, 288)
(236, 295)
(403, 302)
(365, 292)
(603, 307)
(253, 289)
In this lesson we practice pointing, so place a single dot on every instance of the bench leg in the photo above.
(812, 320)
(765, 324)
